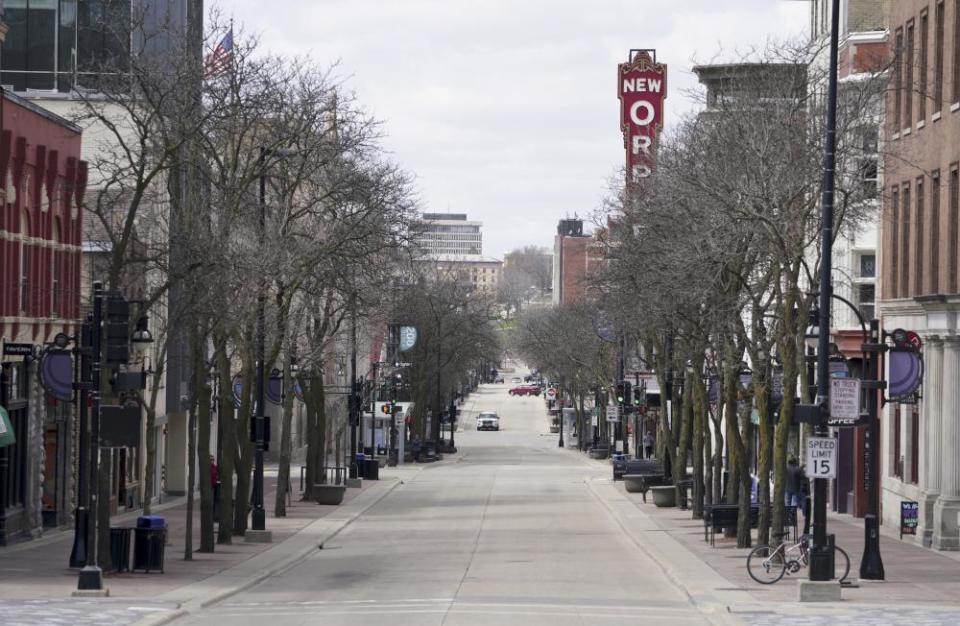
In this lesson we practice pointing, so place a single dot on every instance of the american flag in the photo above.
(218, 61)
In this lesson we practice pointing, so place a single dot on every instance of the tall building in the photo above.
(54, 49)
(919, 261)
(450, 234)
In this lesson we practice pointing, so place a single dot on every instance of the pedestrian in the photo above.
(805, 495)
(792, 497)
(647, 445)
(214, 472)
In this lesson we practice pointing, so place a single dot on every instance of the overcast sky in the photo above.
(506, 109)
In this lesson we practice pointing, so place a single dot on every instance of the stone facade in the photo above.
(919, 263)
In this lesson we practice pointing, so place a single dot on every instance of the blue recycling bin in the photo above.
(149, 543)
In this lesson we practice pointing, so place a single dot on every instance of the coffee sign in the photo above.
(642, 88)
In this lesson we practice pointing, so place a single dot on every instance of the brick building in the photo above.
(575, 256)
(40, 257)
(919, 262)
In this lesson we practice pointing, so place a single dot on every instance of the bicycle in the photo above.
(767, 564)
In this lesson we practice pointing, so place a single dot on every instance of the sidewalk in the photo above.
(914, 575)
(38, 569)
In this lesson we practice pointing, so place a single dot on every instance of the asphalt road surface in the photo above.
(504, 532)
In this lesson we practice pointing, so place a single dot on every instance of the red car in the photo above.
(525, 390)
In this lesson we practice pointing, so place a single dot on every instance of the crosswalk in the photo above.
(79, 612)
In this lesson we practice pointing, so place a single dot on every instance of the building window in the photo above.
(938, 58)
(914, 444)
(867, 300)
(868, 266)
(956, 51)
(55, 271)
(49, 39)
(869, 139)
(898, 80)
(908, 60)
(918, 252)
(897, 464)
(922, 66)
(952, 229)
(905, 241)
(933, 250)
(894, 241)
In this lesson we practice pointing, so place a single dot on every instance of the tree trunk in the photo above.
(228, 442)
(207, 541)
(761, 388)
(686, 427)
(698, 463)
(286, 442)
(244, 458)
(150, 467)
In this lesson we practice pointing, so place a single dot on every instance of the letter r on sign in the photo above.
(641, 144)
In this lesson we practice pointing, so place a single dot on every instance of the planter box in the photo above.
(328, 494)
(599, 453)
(664, 495)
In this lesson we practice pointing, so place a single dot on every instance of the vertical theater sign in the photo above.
(642, 88)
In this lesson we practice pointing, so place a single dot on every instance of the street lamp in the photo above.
(258, 516)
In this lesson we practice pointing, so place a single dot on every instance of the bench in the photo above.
(636, 466)
(641, 483)
(716, 517)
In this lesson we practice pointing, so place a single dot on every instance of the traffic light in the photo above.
(116, 330)
(620, 393)
(638, 396)
(627, 392)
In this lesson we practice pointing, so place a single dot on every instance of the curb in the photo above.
(712, 608)
(199, 598)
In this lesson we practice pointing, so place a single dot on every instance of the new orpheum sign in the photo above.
(642, 88)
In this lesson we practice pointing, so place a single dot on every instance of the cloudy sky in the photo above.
(506, 109)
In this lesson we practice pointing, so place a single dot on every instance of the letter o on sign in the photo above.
(647, 113)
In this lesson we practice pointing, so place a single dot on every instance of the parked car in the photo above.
(525, 390)
(516, 379)
(488, 420)
(498, 380)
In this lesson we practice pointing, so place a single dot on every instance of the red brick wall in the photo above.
(41, 171)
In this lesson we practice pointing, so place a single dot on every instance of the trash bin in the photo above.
(372, 468)
(150, 539)
(120, 548)
(361, 465)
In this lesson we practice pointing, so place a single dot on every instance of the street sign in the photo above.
(821, 457)
(844, 399)
(408, 337)
(613, 413)
(551, 393)
(17, 349)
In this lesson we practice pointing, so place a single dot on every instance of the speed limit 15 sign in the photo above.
(821, 457)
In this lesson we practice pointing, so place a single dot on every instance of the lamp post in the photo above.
(81, 533)
(258, 516)
(91, 576)
(821, 555)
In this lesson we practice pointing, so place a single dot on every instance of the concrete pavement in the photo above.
(507, 530)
